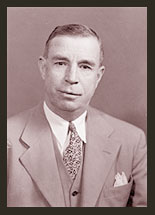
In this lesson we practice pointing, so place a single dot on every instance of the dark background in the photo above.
(122, 91)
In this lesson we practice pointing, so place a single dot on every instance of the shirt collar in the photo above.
(59, 126)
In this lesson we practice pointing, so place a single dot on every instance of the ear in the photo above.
(100, 73)
(42, 64)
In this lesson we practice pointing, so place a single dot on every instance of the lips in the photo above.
(70, 93)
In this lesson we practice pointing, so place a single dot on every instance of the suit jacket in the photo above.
(112, 146)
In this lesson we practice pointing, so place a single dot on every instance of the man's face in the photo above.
(71, 73)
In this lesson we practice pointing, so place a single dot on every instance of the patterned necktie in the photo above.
(73, 153)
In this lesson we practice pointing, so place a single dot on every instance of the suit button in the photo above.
(74, 193)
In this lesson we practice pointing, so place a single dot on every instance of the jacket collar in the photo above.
(39, 160)
(100, 152)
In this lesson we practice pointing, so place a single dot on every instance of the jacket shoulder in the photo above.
(120, 126)
(19, 119)
(16, 123)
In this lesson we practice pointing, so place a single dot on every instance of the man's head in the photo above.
(72, 66)
(74, 30)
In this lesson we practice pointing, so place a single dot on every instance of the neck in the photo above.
(66, 115)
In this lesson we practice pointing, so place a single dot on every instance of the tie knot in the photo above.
(72, 126)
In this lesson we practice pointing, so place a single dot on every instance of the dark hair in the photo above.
(74, 30)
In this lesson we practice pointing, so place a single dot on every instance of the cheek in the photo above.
(49, 85)
(89, 84)
(52, 80)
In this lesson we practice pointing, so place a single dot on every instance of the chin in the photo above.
(70, 107)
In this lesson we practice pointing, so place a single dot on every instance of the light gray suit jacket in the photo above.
(112, 146)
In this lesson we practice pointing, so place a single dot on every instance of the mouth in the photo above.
(72, 94)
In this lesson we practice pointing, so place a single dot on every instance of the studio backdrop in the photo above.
(122, 91)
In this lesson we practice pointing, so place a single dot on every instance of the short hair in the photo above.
(74, 30)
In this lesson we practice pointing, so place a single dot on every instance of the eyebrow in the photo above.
(59, 57)
(91, 63)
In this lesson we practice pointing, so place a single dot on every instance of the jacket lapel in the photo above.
(100, 153)
(39, 159)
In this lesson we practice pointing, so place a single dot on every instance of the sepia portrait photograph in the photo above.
(76, 106)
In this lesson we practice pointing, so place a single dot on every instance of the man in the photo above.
(64, 153)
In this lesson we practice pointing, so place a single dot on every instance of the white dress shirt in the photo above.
(59, 127)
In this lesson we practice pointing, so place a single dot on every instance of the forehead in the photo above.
(75, 45)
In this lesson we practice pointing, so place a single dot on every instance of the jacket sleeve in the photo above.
(139, 198)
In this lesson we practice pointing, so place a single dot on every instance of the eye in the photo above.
(60, 63)
(86, 67)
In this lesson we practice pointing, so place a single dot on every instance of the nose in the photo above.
(71, 75)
